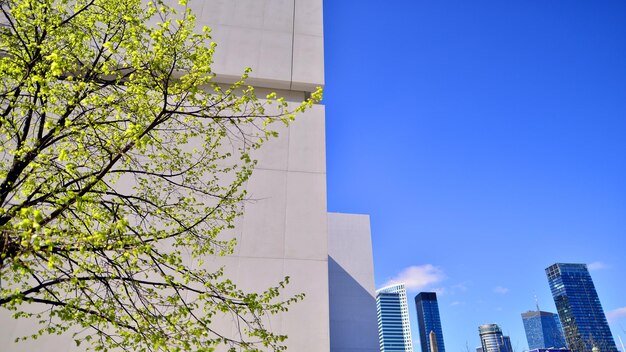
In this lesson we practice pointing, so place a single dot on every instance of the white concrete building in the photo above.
(285, 229)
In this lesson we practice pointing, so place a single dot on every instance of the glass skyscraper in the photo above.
(492, 340)
(428, 320)
(394, 331)
(579, 308)
(543, 330)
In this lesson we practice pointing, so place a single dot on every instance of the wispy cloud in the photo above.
(616, 314)
(501, 290)
(460, 287)
(457, 303)
(440, 290)
(597, 266)
(418, 277)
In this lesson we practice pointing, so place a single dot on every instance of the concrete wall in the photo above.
(281, 40)
(353, 323)
(284, 228)
(284, 231)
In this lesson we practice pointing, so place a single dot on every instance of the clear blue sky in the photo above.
(487, 140)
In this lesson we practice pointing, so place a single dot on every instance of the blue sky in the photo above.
(487, 140)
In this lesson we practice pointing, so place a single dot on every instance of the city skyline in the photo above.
(544, 323)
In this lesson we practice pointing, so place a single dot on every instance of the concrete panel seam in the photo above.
(297, 171)
(282, 258)
(293, 39)
(287, 164)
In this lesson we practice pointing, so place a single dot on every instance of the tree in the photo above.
(121, 161)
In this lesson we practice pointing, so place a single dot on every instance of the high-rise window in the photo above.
(394, 331)
(429, 320)
(543, 330)
(579, 308)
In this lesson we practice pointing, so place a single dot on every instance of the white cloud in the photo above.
(457, 303)
(418, 277)
(501, 290)
(597, 266)
(616, 314)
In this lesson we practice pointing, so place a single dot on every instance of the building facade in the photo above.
(392, 309)
(543, 330)
(549, 350)
(284, 230)
(492, 339)
(429, 320)
(581, 314)
(353, 324)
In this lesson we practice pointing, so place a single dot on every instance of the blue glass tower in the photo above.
(579, 308)
(428, 320)
(394, 331)
(543, 330)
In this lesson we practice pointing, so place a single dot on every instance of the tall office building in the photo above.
(285, 229)
(492, 340)
(579, 308)
(543, 330)
(392, 309)
(428, 320)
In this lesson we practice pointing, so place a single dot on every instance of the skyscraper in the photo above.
(394, 331)
(492, 340)
(543, 330)
(428, 320)
(579, 308)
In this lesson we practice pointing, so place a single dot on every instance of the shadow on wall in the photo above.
(353, 324)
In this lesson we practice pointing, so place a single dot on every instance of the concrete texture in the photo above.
(281, 40)
(353, 323)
